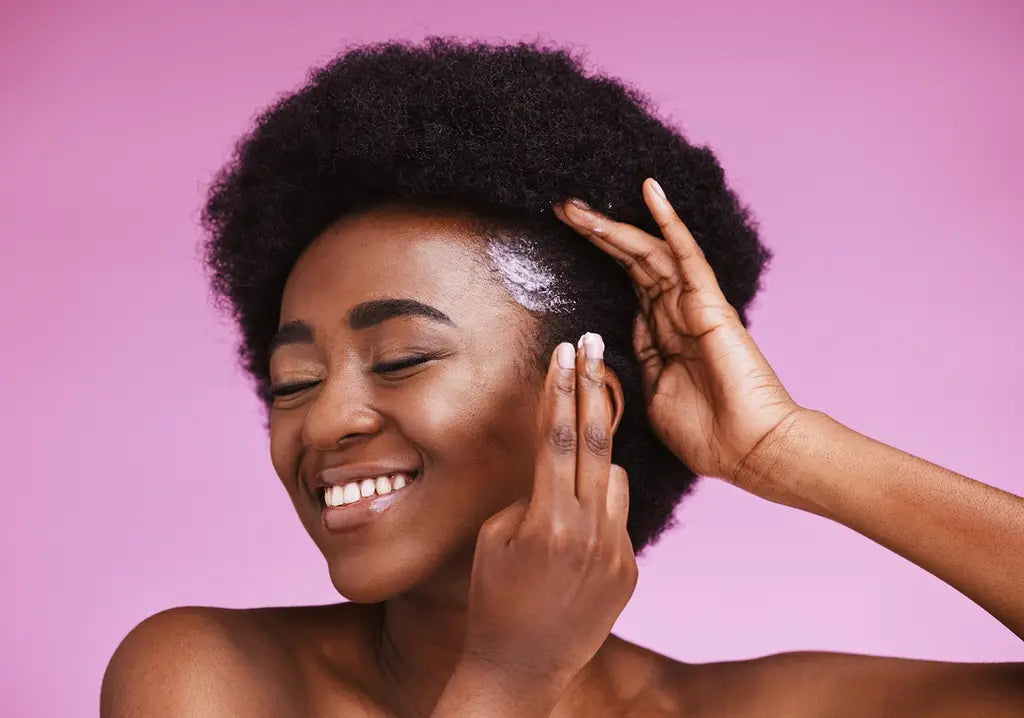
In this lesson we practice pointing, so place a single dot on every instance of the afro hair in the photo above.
(501, 132)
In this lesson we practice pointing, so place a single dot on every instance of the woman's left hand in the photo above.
(711, 396)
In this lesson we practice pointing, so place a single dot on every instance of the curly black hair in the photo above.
(501, 132)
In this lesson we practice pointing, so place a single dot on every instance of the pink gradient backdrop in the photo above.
(878, 143)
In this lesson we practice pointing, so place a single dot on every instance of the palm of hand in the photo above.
(713, 415)
(711, 395)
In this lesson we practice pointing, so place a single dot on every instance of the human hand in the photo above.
(551, 573)
(712, 397)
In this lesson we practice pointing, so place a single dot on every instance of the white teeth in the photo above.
(351, 493)
(364, 488)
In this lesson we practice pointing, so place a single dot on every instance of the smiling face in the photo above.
(462, 417)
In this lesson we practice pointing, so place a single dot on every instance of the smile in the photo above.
(362, 501)
(360, 489)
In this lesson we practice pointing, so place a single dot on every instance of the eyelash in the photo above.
(288, 389)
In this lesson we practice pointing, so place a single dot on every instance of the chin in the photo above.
(369, 578)
(369, 589)
(386, 572)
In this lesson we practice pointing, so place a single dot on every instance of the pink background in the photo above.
(878, 143)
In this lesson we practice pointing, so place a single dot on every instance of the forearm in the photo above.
(969, 534)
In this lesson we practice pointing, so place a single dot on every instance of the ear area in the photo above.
(614, 388)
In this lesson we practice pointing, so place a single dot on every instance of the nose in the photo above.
(341, 413)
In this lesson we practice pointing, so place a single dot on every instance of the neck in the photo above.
(420, 638)
(419, 641)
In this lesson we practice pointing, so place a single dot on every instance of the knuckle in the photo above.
(688, 286)
(529, 537)
(559, 538)
(565, 384)
(646, 256)
(621, 562)
(572, 541)
(630, 574)
(581, 550)
(489, 531)
(597, 439)
(697, 252)
(670, 222)
(486, 541)
(562, 438)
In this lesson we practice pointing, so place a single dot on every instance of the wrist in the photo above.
(777, 469)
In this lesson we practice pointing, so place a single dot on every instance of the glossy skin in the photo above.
(520, 626)
(453, 417)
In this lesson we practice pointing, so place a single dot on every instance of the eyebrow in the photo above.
(362, 316)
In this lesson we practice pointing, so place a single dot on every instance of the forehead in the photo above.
(434, 258)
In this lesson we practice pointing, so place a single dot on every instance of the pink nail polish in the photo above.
(593, 346)
(565, 356)
(657, 188)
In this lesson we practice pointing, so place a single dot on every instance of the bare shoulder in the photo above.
(199, 660)
(817, 683)
(858, 685)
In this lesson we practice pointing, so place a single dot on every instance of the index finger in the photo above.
(693, 265)
(594, 416)
(554, 473)
(645, 258)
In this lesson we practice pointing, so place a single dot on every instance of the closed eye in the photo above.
(386, 368)
(400, 364)
(288, 389)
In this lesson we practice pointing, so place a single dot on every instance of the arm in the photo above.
(717, 404)
(969, 534)
(714, 400)
(810, 684)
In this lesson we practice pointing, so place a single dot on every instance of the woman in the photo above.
(397, 244)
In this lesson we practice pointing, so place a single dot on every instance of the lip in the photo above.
(340, 519)
(348, 517)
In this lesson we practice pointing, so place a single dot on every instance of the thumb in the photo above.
(647, 354)
(500, 528)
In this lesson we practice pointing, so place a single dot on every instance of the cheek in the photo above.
(477, 427)
(285, 453)
(462, 404)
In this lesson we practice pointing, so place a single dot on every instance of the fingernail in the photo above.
(593, 350)
(593, 346)
(658, 189)
(580, 204)
(565, 356)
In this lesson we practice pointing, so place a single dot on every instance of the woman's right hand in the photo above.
(552, 573)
